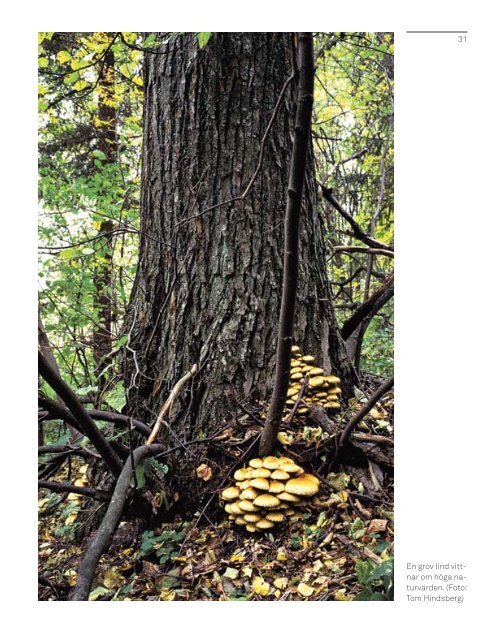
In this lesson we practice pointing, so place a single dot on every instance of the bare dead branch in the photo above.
(86, 424)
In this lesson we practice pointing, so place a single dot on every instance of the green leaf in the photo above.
(203, 38)
(140, 476)
(71, 252)
(98, 591)
(63, 56)
(43, 63)
(116, 397)
(150, 40)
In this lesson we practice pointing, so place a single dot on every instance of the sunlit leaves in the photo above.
(203, 38)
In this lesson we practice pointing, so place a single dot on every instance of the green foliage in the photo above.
(377, 580)
(162, 547)
(146, 468)
(203, 38)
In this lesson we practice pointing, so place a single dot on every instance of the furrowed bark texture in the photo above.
(297, 171)
(208, 291)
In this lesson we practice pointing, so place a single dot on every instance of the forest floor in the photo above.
(341, 549)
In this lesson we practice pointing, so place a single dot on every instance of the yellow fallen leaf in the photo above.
(305, 590)
(70, 519)
(284, 438)
(281, 583)
(317, 566)
(341, 596)
(204, 472)
(277, 593)
(247, 571)
(237, 558)
(113, 579)
(260, 586)
(231, 573)
(281, 556)
(83, 469)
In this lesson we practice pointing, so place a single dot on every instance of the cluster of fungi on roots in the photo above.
(321, 389)
(269, 491)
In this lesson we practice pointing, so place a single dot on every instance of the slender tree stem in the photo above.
(291, 240)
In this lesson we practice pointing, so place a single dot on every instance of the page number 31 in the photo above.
(462, 39)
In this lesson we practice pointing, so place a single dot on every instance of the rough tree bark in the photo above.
(208, 287)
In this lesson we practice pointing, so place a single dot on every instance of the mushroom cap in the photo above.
(309, 476)
(247, 505)
(292, 391)
(249, 494)
(231, 493)
(289, 467)
(316, 371)
(229, 509)
(307, 358)
(252, 517)
(276, 487)
(284, 459)
(271, 462)
(240, 520)
(244, 485)
(295, 369)
(266, 500)
(295, 348)
(333, 380)
(301, 486)
(304, 410)
(334, 391)
(264, 524)
(261, 473)
(279, 474)
(242, 474)
(275, 516)
(287, 497)
(251, 527)
(236, 509)
(296, 376)
(316, 381)
(260, 483)
(333, 405)
(256, 463)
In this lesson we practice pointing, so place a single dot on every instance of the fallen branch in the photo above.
(110, 522)
(86, 424)
(56, 410)
(64, 487)
(356, 419)
(168, 405)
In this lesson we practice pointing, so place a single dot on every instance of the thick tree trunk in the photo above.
(208, 289)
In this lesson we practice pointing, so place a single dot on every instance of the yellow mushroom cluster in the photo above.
(322, 390)
(269, 491)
